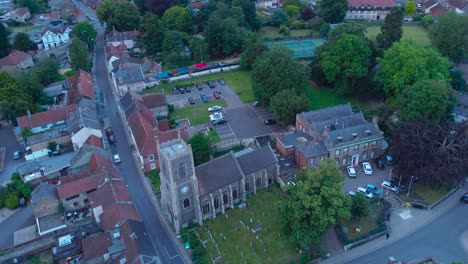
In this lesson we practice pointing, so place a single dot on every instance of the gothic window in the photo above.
(247, 186)
(225, 198)
(216, 202)
(182, 172)
(186, 203)
(206, 207)
(234, 194)
(258, 181)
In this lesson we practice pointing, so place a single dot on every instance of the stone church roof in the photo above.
(256, 160)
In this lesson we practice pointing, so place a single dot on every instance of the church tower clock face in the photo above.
(184, 189)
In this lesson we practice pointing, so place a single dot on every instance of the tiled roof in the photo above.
(84, 116)
(14, 58)
(44, 191)
(256, 160)
(81, 185)
(125, 62)
(290, 139)
(429, 3)
(164, 136)
(327, 113)
(128, 75)
(42, 118)
(119, 51)
(378, 3)
(95, 141)
(460, 4)
(312, 149)
(340, 122)
(97, 161)
(116, 213)
(197, 5)
(438, 10)
(57, 30)
(113, 191)
(163, 125)
(143, 132)
(128, 102)
(154, 100)
(81, 85)
(347, 133)
(84, 155)
(22, 11)
(115, 36)
(95, 246)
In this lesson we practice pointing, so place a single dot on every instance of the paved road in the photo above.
(439, 239)
(8, 140)
(164, 246)
(20, 219)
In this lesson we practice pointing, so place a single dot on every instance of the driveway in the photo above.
(351, 184)
(9, 141)
(22, 218)
(264, 114)
(244, 123)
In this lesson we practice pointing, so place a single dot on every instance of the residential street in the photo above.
(164, 246)
(20, 219)
(8, 140)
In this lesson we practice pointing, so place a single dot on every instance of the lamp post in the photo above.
(186, 244)
(409, 189)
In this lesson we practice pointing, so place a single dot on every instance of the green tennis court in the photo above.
(300, 48)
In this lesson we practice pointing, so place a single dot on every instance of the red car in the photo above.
(217, 94)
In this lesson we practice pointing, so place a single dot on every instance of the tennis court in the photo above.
(300, 48)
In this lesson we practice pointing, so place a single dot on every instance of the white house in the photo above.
(55, 37)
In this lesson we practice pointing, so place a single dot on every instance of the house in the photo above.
(45, 18)
(266, 4)
(114, 53)
(434, 8)
(150, 68)
(459, 6)
(126, 38)
(42, 121)
(45, 169)
(45, 204)
(41, 141)
(369, 9)
(128, 78)
(57, 90)
(83, 122)
(197, 5)
(80, 86)
(125, 62)
(195, 194)
(16, 61)
(21, 14)
(335, 132)
(157, 103)
(460, 111)
(54, 37)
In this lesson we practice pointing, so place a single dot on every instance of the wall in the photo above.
(64, 140)
(201, 73)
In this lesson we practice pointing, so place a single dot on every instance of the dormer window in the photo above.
(354, 135)
(368, 132)
(339, 138)
(363, 7)
(369, 7)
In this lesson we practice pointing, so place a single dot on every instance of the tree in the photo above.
(457, 81)
(79, 56)
(12, 201)
(158, 7)
(105, 10)
(360, 205)
(286, 104)
(47, 70)
(350, 28)
(177, 18)
(435, 153)
(4, 44)
(391, 31)
(405, 63)
(291, 10)
(315, 204)
(86, 33)
(33, 5)
(250, 13)
(426, 21)
(201, 148)
(175, 60)
(202, 16)
(198, 50)
(307, 13)
(253, 49)
(13, 101)
(278, 17)
(277, 70)
(151, 33)
(125, 17)
(430, 99)
(345, 62)
(410, 8)
(23, 42)
(223, 36)
(29, 82)
(333, 11)
(450, 35)
(174, 41)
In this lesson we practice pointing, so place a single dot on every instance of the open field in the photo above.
(414, 33)
(273, 32)
(197, 114)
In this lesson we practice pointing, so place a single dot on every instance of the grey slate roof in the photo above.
(127, 75)
(44, 191)
(312, 149)
(125, 60)
(49, 165)
(290, 139)
(257, 160)
(346, 133)
(54, 89)
(83, 155)
(327, 113)
(85, 115)
(340, 122)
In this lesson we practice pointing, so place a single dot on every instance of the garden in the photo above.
(415, 33)
(11, 194)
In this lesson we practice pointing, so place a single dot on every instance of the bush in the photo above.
(284, 30)
(315, 23)
(155, 180)
(12, 201)
(297, 24)
(360, 206)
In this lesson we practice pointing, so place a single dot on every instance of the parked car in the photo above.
(388, 185)
(217, 94)
(110, 135)
(117, 158)
(371, 188)
(175, 91)
(216, 116)
(270, 122)
(199, 87)
(214, 108)
(210, 84)
(22, 202)
(351, 193)
(365, 192)
(218, 121)
(396, 181)
(379, 163)
(256, 104)
(388, 159)
(464, 198)
(182, 90)
(17, 155)
(204, 98)
(366, 166)
(191, 100)
(351, 171)
(222, 82)
(188, 89)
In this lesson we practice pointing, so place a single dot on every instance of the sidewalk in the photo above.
(403, 222)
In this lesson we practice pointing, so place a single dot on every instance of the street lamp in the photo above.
(186, 244)
(409, 189)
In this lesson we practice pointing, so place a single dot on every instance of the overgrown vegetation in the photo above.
(14, 190)
(155, 180)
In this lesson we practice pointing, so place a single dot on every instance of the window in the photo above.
(206, 208)
(337, 152)
(345, 151)
(247, 186)
(356, 148)
(344, 162)
(153, 165)
(216, 202)
(186, 203)
(373, 144)
(234, 194)
(182, 173)
(151, 157)
(311, 161)
(225, 198)
(258, 181)
(366, 146)
(364, 156)
(75, 204)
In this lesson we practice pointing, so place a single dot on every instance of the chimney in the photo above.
(354, 135)
(391, 260)
(326, 130)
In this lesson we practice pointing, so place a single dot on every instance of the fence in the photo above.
(201, 73)
(425, 206)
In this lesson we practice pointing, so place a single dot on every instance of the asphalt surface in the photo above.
(162, 243)
(8, 140)
(439, 239)
(19, 220)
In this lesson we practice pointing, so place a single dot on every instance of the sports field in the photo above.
(301, 48)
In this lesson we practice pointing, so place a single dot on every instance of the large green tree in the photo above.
(278, 17)
(14, 101)
(33, 5)
(405, 63)
(333, 11)
(178, 18)
(277, 70)
(286, 104)
(391, 31)
(159, 6)
(47, 70)
(350, 28)
(151, 33)
(254, 48)
(174, 41)
(201, 147)
(29, 82)
(430, 99)
(86, 33)
(223, 36)
(315, 204)
(79, 55)
(345, 62)
(198, 50)
(23, 42)
(250, 13)
(122, 16)
(4, 44)
(450, 35)
(410, 8)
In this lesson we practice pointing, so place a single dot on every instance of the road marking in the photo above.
(405, 215)
(167, 253)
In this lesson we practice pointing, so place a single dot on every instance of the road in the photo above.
(164, 246)
(8, 140)
(19, 220)
(439, 239)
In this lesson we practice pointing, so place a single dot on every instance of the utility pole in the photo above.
(409, 189)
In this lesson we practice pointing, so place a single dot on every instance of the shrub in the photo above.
(360, 206)
(12, 201)
(284, 30)
(297, 24)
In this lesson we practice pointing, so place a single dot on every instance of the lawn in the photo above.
(321, 98)
(365, 224)
(239, 81)
(415, 33)
(238, 245)
(424, 193)
(273, 32)
(213, 135)
(197, 114)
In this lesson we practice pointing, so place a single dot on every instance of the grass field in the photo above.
(365, 224)
(239, 245)
(273, 32)
(424, 193)
(239, 81)
(417, 34)
(321, 98)
(197, 114)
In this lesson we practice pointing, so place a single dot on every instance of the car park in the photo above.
(217, 95)
(191, 100)
(17, 155)
(199, 87)
(366, 166)
(388, 185)
(218, 121)
(379, 163)
(365, 192)
(175, 91)
(116, 158)
(371, 188)
(204, 98)
(187, 89)
(270, 122)
(464, 198)
(210, 84)
(351, 193)
(214, 108)
(351, 171)
(182, 90)
(222, 82)
(216, 116)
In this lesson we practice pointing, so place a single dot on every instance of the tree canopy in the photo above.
(333, 11)
(86, 33)
(391, 31)
(223, 36)
(410, 8)
(253, 48)
(151, 33)
(4, 44)
(277, 70)
(278, 17)
(315, 204)
(158, 7)
(201, 148)
(14, 101)
(177, 18)
(285, 104)
(23, 42)
(47, 70)
(122, 16)
(79, 55)
(198, 50)
(450, 35)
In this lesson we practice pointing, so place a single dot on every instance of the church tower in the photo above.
(179, 187)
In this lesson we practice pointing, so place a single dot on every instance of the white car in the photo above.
(365, 192)
(351, 193)
(351, 171)
(117, 158)
(388, 185)
(366, 166)
(214, 108)
(216, 116)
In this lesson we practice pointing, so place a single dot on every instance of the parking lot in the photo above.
(265, 114)
(361, 180)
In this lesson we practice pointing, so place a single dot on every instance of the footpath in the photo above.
(403, 222)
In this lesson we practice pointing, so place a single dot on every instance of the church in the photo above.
(194, 194)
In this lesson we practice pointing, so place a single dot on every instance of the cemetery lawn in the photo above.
(272, 245)
(365, 224)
